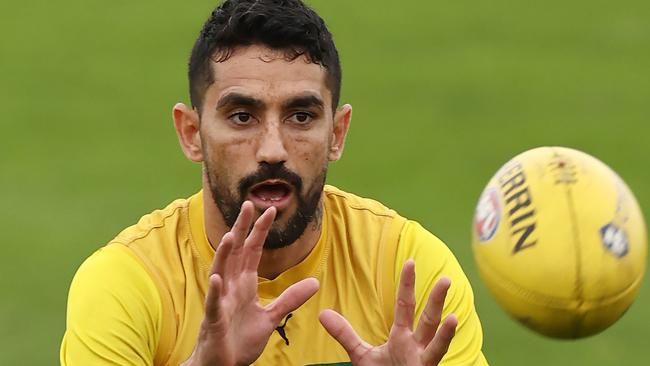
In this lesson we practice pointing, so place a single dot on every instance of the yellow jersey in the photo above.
(139, 300)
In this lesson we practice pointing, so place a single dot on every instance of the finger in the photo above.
(438, 347)
(254, 244)
(239, 232)
(430, 318)
(212, 299)
(405, 306)
(289, 300)
(341, 330)
(221, 255)
(243, 223)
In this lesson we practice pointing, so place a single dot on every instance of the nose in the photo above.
(271, 148)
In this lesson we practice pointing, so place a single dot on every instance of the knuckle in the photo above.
(428, 319)
(406, 303)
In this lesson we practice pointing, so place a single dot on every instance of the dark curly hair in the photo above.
(288, 25)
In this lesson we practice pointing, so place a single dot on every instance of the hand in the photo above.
(426, 346)
(236, 327)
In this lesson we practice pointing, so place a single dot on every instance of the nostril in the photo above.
(272, 150)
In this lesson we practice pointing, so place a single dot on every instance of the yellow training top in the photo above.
(140, 299)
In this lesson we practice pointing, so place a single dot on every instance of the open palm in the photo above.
(424, 346)
(236, 327)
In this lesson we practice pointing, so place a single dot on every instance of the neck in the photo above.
(273, 261)
(276, 261)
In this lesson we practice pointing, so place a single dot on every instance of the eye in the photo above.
(241, 118)
(301, 118)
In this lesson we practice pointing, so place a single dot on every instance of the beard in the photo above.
(307, 203)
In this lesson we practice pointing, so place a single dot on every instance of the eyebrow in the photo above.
(304, 101)
(239, 100)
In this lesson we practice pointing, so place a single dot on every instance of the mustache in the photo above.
(268, 171)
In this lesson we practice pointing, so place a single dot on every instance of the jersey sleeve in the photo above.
(114, 312)
(434, 260)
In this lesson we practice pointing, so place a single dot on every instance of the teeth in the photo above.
(273, 199)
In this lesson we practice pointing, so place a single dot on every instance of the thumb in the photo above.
(341, 330)
(292, 298)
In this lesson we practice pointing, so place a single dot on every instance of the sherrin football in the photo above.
(560, 242)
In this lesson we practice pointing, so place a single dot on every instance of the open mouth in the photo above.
(272, 192)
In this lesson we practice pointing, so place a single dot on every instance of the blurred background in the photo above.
(443, 92)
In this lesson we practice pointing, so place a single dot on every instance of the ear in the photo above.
(186, 123)
(342, 119)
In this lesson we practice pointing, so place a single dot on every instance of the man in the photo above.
(290, 251)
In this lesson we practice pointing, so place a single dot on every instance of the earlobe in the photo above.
(186, 123)
(342, 119)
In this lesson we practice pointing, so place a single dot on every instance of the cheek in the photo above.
(310, 154)
(226, 147)
(314, 156)
(229, 158)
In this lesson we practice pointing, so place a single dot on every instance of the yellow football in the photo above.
(560, 242)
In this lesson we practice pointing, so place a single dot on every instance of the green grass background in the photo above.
(444, 92)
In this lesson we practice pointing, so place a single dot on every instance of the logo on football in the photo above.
(488, 214)
(614, 239)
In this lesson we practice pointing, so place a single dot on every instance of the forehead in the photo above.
(268, 75)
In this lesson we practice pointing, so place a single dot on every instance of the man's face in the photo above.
(266, 129)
